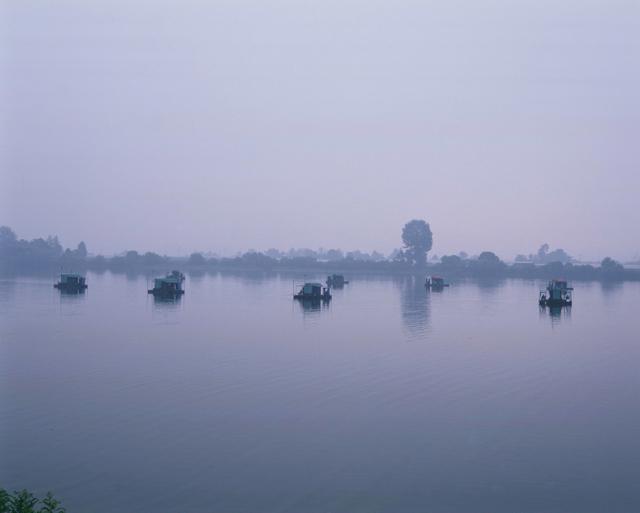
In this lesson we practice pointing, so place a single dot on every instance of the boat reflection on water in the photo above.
(69, 296)
(72, 293)
(556, 314)
(313, 305)
(166, 302)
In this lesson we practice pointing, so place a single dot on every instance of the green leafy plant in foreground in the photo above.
(25, 502)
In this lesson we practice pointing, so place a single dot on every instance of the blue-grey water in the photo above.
(237, 399)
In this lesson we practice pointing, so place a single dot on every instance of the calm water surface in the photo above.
(390, 399)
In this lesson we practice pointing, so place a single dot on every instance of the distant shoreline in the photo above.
(467, 269)
(38, 256)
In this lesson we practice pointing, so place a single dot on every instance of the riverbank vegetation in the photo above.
(25, 502)
(48, 255)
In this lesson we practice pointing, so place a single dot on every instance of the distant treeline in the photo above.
(38, 255)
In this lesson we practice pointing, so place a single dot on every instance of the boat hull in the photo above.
(70, 288)
(309, 297)
(164, 293)
(436, 287)
(555, 302)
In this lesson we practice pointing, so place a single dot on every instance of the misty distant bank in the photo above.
(48, 255)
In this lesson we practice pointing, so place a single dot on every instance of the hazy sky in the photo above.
(185, 125)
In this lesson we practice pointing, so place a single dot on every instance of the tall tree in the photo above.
(417, 239)
(81, 251)
(7, 236)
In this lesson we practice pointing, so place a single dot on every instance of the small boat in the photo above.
(169, 286)
(313, 291)
(71, 282)
(557, 293)
(435, 283)
(336, 281)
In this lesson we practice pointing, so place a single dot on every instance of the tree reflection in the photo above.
(415, 304)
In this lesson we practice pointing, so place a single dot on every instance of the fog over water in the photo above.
(181, 126)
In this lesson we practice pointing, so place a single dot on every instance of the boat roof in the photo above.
(71, 275)
(169, 279)
(313, 284)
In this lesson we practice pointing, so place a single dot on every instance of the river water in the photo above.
(388, 399)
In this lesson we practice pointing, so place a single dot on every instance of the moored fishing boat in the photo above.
(313, 291)
(435, 283)
(168, 286)
(71, 282)
(336, 281)
(557, 293)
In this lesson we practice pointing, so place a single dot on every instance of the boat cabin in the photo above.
(313, 291)
(336, 281)
(71, 282)
(557, 293)
(435, 282)
(170, 285)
